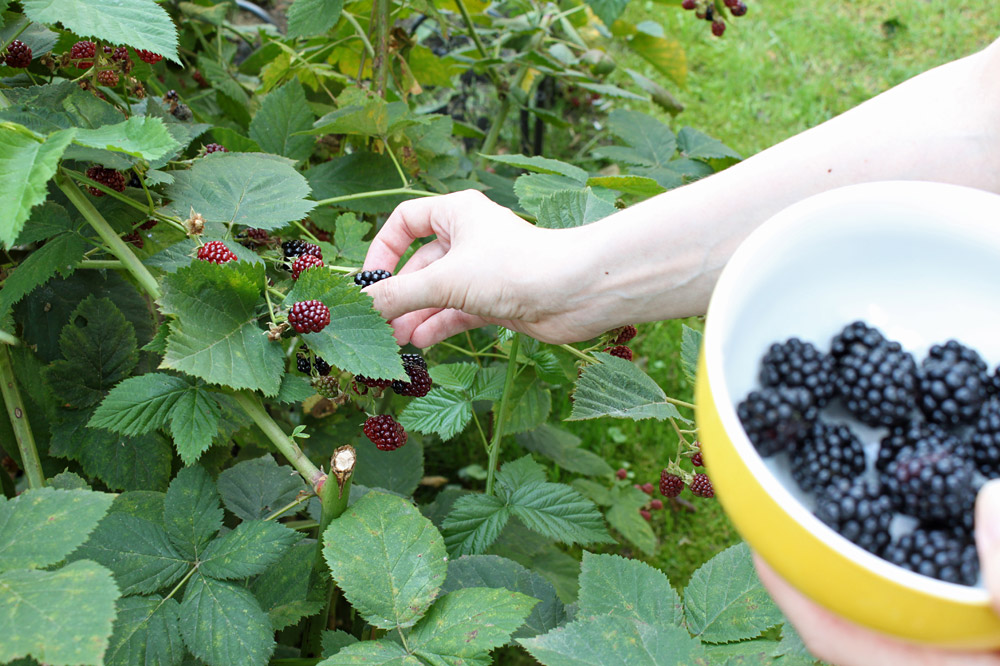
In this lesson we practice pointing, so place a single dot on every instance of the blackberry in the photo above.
(876, 378)
(120, 55)
(148, 224)
(171, 96)
(625, 334)
(134, 238)
(671, 485)
(901, 437)
(953, 384)
(622, 473)
(384, 432)
(985, 440)
(932, 481)
(655, 504)
(415, 360)
(797, 363)
(621, 351)
(305, 366)
(739, 9)
(828, 453)
(646, 515)
(368, 278)
(18, 54)
(81, 50)
(701, 486)
(718, 28)
(777, 418)
(107, 78)
(215, 148)
(371, 382)
(858, 511)
(309, 316)
(148, 56)
(322, 367)
(697, 460)
(419, 384)
(936, 553)
(297, 247)
(689, 4)
(327, 387)
(303, 262)
(257, 235)
(216, 252)
(110, 178)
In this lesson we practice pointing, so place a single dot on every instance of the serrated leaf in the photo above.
(631, 589)
(608, 10)
(531, 189)
(68, 481)
(59, 254)
(313, 17)
(138, 553)
(141, 24)
(612, 641)
(348, 236)
(140, 404)
(397, 471)
(141, 137)
(173, 256)
(335, 641)
(47, 221)
(145, 504)
(372, 653)
(191, 511)
(247, 550)
(146, 631)
(282, 113)
(637, 185)
(216, 336)
(241, 189)
(530, 404)
(542, 165)
(357, 339)
(559, 512)
(253, 489)
(624, 516)
(616, 387)
(284, 591)
(563, 448)
(40, 527)
(572, 208)
(54, 106)
(474, 523)
(745, 653)
(468, 623)
(651, 139)
(358, 172)
(223, 624)
(443, 411)
(454, 375)
(792, 649)
(690, 350)
(725, 601)
(520, 472)
(699, 145)
(541, 555)
(492, 571)
(194, 421)
(387, 558)
(294, 389)
(489, 383)
(26, 165)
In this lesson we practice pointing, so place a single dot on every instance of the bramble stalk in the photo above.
(288, 448)
(100, 263)
(19, 422)
(380, 63)
(498, 421)
(128, 201)
(115, 244)
(579, 354)
(375, 193)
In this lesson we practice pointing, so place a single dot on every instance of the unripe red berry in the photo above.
(309, 316)
(701, 486)
(107, 78)
(656, 504)
(215, 148)
(215, 252)
(740, 9)
(718, 27)
(671, 485)
(385, 432)
(625, 334)
(81, 50)
(148, 56)
(303, 262)
(648, 488)
(621, 351)
(645, 514)
(689, 4)
(697, 460)
(110, 178)
(622, 473)
(18, 54)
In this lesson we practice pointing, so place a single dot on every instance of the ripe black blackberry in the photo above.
(701, 486)
(827, 453)
(305, 366)
(415, 360)
(18, 54)
(110, 178)
(876, 378)
(797, 363)
(938, 553)
(304, 262)
(954, 384)
(857, 510)
(985, 440)
(384, 432)
(215, 252)
(903, 436)
(297, 247)
(419, 384)
(932, 481)
(309, 316)
(777, 418)
(368, 278)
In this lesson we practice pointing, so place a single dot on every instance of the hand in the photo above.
(833, 639)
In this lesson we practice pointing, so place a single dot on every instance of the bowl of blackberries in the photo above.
(848, 402)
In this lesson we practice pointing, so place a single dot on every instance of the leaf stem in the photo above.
(579, 354)
(361, 33)
(304, 230)
(255, 410)
(498, 421)
(373, 194)
(479, 427)
(467, 18)
(395, 162)
(129, 201)
(380, 60)
(100, 263)
(19, 422)
(474, 354)
(679, 403)
(8, 339)
(288, 507)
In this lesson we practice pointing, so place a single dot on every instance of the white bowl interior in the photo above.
(920, 261)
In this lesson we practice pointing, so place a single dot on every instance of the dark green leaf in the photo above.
(140, 404)
(690, 350)
(542, 165)
(397, 471)
(284, 591)
(559, 512)
(145, 504)
(247, 550)
(294, 389)
(59, 254)
(372, 653)
(745, 653)
(349, 235)
(563, 448)
(47, 220)
(139, 137)
(541, 555)
(54, 106)
(194, 421)
(191, 511)
(624, 516)
(474, 523)
(335, 641)
(68, 481)
(253, 489)
(223, 624)
(616, 387)
(313, 17)
(443, 411)
(282, 113)
(174, 256)
(530, 404)
(651, 139)
(699, 145)
(532, 189)
(630, 589)
(146, 632)
(358, 172)
(454, 375)
(517, 473)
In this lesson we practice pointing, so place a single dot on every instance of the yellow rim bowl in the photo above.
(920, 261)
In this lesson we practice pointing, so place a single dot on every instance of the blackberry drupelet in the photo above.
(216, 252)
(309, 316)
(903, 436)
(384, 432)
(297, 247)
(671, 485)
(415, 360)
(796, 363)
(829, 452)
(932, 481)
(621, 351)
(857, 510)
(110, 178)
(936, 553)
(304, 262)
(985, 440)
(878, 383)
(701, 486)
(18, 54)
(777, 418)
(419, 384)
(148, 56)
(856, 338)
(107, 78)
(625, 334)
(954, 384)
(368, 278)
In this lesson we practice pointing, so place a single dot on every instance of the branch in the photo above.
(19, 421)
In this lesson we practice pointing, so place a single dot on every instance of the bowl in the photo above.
(921, 262)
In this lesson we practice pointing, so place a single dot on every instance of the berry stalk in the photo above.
(508, 386)
(19, 422)
(376, 193)
(255, 410)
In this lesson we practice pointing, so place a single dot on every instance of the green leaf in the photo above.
(138, 553)
(517, 473)
(140, 404)
(334, 641)
(68, 481)
(253, 489)
(42, 526)
(666, 55)
(474, 523)
(59, 617)
(26, 165)
(223, 624)
(624, 516)
(792, 649)
(387, 558)
(372, 653)
(492, 571)
(356, 173)
(141, 24)
(60, 254)
(191, 511)
(397, 471)
(563, 448)
(357, 339)
(616, 387)
(699, 145)
(313, 17)
(542, 165)
(613, 641)
(608, 10)
(468, 623)
(533, 188)
(194, 421)
(216, 336)
(637, 185)
(282, 113)
(145, 504)
(746, 653)
(443, 411)
(284, 591)
(541, 555)
(690, 350)
(651, 140)
(349, 235)
(249, 189)
(55, 106)
(530, 404)
(47, 221)
(141, 137)
(630, 589)
(294, 389)
(247, 550)
(454, 375)
(146, 632)
(559, 512)
(725, 601)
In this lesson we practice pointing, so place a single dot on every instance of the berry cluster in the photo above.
(368, 278)
(708, 11)
(110, 178)
(420, 379)
(18, 54)
(305, 364)
(385, 432)
(216, 252)
(81, 52)
(882, 442)
(215, 148)
(309, 316)
(297, 247)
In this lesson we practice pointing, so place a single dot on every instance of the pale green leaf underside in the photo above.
(541, 165)
(313, 17)
(616, 387)
(573, 208)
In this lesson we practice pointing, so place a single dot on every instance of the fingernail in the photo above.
(988, 517)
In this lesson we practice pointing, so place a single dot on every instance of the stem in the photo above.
(361, 33)
(679, 403)
(380, 63)
(304, 230)
(462, 350)
(19, 422)
(399, 167)
(508, 385)
(100, 263)
(472, 28)
(288, 507)
(288, 448)
(129, 201)
(579, 354)
(117, 246)
(8, 339)
(479, 427)
(375, 193)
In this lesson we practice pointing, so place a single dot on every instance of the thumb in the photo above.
(408, 292)
(988, 537)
